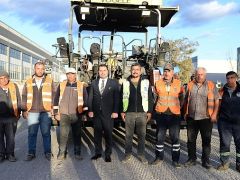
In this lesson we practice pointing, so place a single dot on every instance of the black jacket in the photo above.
(135, 98)
(6, 107)
(230, 106)
(108, 102)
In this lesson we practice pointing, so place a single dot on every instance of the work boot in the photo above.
(223, 167)
(156, 161)
(207, 165)
(238, 168)
(2, 157)
(11, 158)
(61, 156)
(30, 157)
(190, 162)
(176, 164)
(142, 159)
(78, 157)
(48, 156)
(127, 158)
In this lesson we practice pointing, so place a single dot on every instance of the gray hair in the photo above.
(201, 68)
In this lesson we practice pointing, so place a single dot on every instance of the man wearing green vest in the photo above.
(136, 108)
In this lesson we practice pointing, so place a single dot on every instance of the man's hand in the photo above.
(114, 115)
(90, 114)
(84, 117)
(149, 116)
(57, 117)
(213, 118)
(123, 115)
(25, 115)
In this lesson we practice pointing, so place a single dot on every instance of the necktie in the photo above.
(102, 87)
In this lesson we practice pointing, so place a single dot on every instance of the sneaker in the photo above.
(190, 162)
(48, 156)
(156, 161)
(78, 157)
(223, 167)
(126, 158)
(176, 164)
(30, 157)
(143, 159)
(207, 165)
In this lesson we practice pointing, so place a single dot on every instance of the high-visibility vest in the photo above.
(144, 94)
(168, 98)
(80, 86)
(13, 94)
(210, 96)
(46, 93)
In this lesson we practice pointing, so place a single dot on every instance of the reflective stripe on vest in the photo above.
(225, 154)
(13, 94)
(210, 96)
(46, 93)
(168, 99)
(144, 94)
(80, 94)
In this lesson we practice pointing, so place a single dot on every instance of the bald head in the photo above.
(200, 74)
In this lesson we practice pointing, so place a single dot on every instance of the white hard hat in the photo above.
(70, 70)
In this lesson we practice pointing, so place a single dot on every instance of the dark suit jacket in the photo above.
(108, 102)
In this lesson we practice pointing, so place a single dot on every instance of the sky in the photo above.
(214, 24)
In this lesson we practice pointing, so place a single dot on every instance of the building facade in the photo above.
(18, 54)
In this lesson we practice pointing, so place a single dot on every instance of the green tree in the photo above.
(180, 53)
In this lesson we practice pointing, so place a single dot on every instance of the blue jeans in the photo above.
(227, 130)
(45, 126)
(171, 122)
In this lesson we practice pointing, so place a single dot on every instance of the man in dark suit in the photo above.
(103, 108)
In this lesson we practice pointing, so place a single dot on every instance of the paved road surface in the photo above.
(86, 169)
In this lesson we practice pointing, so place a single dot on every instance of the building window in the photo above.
(15, 71)
(26, 58)
(3, 49)
(26, 73)
(34, 60)
(15, 53)
(3, 66)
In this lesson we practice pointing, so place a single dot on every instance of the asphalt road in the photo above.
(71, 168)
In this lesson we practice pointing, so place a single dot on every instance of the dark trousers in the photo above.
(70, 121)
(136, 120)
(7, 133)
(227, 130)
(103, 126)
(171, 122)
(205, 127)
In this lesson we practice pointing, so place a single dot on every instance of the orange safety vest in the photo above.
(80, 94)
(46, 93)
(210, 96)
(168, 99)
(13, 94)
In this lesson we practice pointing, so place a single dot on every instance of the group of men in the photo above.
(199, 103)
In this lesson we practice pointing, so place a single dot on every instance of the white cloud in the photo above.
(212, 10)
(199, 12)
